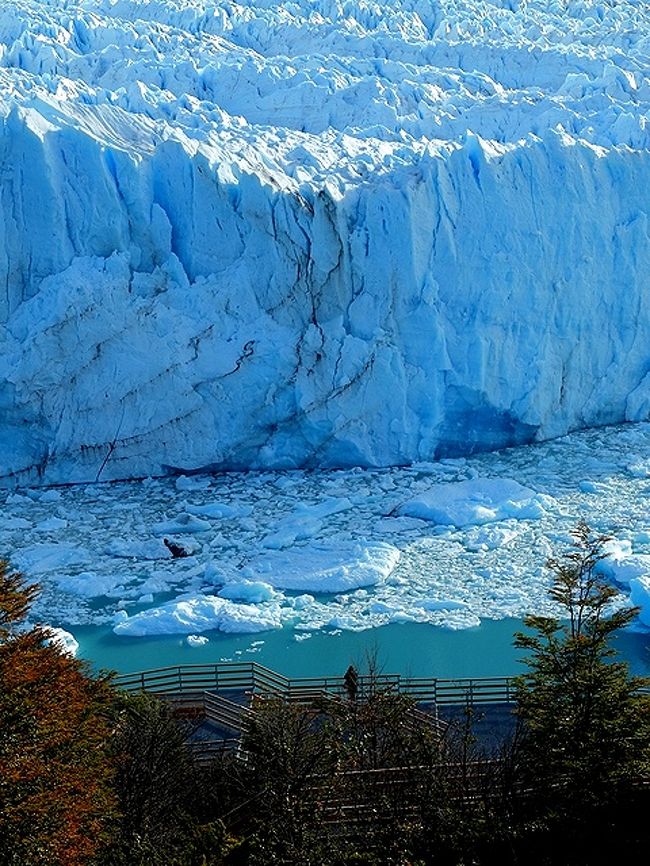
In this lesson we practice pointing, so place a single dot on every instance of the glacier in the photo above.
(317, 233)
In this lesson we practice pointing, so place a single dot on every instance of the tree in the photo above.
(586, 726)
(155, 783)
(55, 797)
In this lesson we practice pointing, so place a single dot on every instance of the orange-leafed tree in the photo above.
(55, 777)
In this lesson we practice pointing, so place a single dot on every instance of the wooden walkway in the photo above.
(220, 695)
(253, 678)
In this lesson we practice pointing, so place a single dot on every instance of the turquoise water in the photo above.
(411, 649)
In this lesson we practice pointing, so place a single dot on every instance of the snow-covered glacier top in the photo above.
(317, 233)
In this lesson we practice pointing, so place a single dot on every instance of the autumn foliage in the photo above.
(55, 793)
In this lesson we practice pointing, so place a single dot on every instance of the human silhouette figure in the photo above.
(351, 682)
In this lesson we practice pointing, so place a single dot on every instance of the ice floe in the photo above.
(365, 566)
(475, 502)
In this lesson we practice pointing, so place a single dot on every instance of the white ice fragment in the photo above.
(48, 495)
(192, 482)
(199, 613)
(489, 537)
(327, 567)
(136, 549)
(475, 502)
(250, 591)
(640, 469)
(640, 597)
(442, 604)
(195, 640)
(217, 510)
(624, 569)
(51, 524)
(184, 523)
(63, 639)
(41, 558)
(10, 523)
(88, 584)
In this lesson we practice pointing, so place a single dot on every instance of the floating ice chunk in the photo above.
(8, 523)
(51, 524)
(591, 487)
(640, 597)
(147, 598)
(616, 549)
(300, 602)
(216, 510)
(192, 482)
(400, 524)
(346, 622)
(624, 569)
(184, 523)
(199, 613)
(150, 549)
(640, 469)
(40, 558)
(88, 584)
(251, 591)
(156, 583)
(63, 639)
(18, 499)
(329, 506)
(196, 640)
(444, 604)
(475, 502)
(489, 537)
(327, 567)
(292, 531)
(48, 495)
(305, 522)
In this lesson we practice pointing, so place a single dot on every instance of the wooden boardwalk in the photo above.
(221, 696)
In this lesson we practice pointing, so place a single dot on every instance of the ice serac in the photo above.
(317, 233)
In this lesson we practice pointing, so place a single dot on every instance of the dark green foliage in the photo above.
(158, 791)
(587, 728)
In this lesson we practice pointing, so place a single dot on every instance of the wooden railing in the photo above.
(255, 678)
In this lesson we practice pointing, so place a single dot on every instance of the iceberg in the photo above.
(317, 233)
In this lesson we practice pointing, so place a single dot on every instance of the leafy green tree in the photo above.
(56, 800)
(586, 725)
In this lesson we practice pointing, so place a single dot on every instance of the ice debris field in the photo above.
(450, 544)
(318, 233)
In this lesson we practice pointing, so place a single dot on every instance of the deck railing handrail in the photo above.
(258, 678)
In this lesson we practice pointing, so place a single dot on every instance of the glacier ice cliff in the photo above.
(317, 233)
